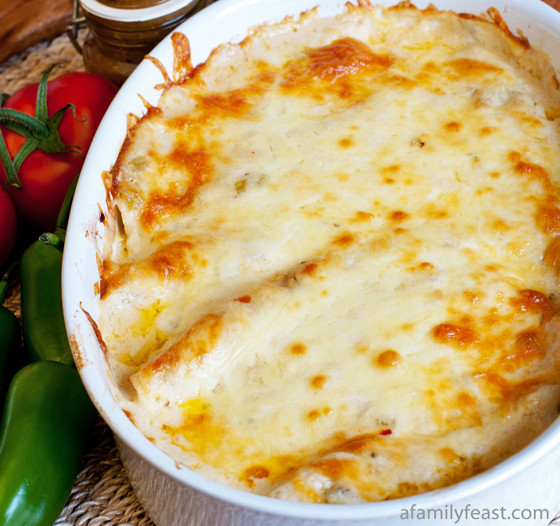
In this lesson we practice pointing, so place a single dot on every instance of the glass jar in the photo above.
(122, 32)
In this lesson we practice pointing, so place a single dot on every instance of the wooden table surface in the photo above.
(26, 22)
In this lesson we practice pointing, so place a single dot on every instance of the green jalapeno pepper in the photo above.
(46, 421)
(44, 332)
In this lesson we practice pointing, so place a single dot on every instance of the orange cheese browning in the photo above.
(333, 269)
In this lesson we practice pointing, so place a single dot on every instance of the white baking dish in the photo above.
(526, 485)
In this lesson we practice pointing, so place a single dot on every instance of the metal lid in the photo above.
(135, 10)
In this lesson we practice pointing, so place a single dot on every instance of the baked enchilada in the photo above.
(332, 268)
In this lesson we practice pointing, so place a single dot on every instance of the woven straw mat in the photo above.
(102, 495)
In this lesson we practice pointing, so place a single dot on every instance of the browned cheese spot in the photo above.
(244, 299)
(451, 333)
(548, 219)
(398, 216)
(530, 300)
(453, 127)
(318, 381)
(315, 414)
(255, 472)
(298, 348)
(388, 359)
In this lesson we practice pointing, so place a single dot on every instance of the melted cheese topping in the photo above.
(335, 256)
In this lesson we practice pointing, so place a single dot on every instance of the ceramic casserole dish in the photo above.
(525, 487)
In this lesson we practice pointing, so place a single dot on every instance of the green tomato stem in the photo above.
(23, 124)
(26, 148)
(41, 132)
(11, 172)
(41, 110)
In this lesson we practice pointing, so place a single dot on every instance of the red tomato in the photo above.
(45, 177)
(8, 226)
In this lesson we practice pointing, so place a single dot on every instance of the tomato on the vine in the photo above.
(44, 176)
(8, 226)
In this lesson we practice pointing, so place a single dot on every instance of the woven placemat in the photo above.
(29, 66)
(102, 495)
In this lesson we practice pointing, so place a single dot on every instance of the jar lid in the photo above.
(127, 11)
